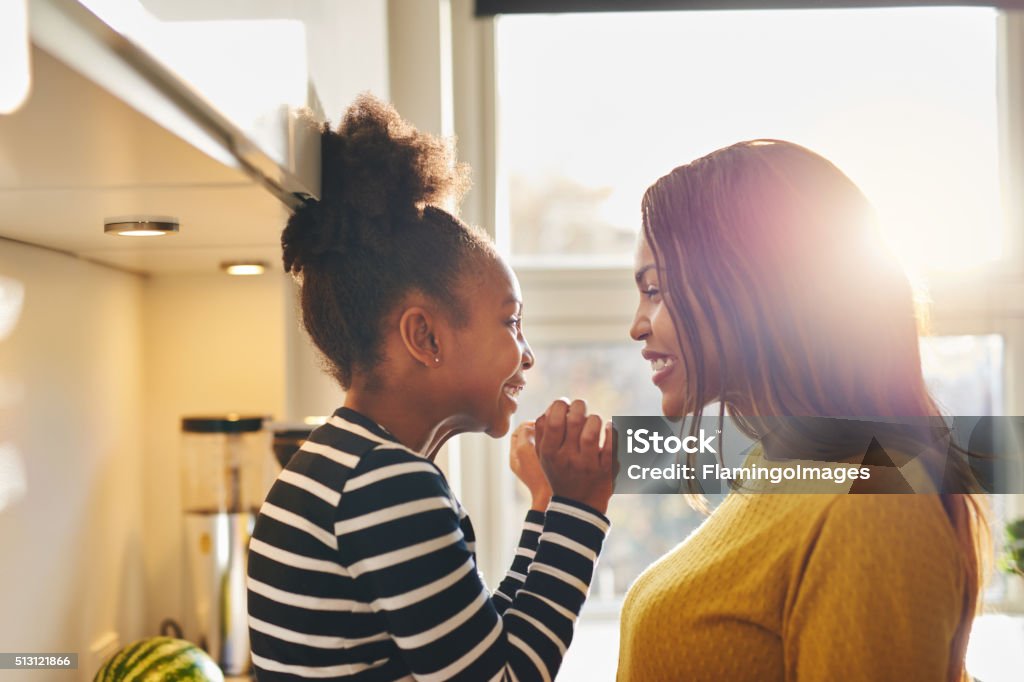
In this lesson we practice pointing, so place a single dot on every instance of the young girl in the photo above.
(361, 564)
(763, 286)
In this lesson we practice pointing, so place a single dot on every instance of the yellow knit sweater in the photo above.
(812, 588)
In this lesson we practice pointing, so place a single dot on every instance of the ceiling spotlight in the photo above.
(140, 226)
(244, 267)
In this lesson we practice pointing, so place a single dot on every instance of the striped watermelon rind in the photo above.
(160, 659)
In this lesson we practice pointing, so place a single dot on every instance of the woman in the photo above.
(764, 286)
(362, 564)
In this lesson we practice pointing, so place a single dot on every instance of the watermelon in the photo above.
(160, 659)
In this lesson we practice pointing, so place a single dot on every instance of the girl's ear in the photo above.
(418, 328)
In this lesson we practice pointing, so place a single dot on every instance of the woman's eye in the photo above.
(650, 292)
(515, 323)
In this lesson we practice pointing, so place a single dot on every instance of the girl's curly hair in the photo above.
(377, 232)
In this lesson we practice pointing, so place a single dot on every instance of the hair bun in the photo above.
(303, 241)
(378, 173)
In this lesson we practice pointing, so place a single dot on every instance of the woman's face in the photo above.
(491, 354)
(653, 325)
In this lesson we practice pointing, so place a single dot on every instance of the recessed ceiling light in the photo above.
(140, 226)
(244, 267)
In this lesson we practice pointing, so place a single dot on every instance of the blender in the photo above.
(227, 471)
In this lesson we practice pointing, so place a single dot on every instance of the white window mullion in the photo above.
(1010, 82)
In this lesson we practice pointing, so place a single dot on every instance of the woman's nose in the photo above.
(641, 327)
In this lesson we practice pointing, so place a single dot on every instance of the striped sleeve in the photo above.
(526, 550)
(400, 538)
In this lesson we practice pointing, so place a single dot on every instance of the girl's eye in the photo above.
(515, 323)
(650, 292)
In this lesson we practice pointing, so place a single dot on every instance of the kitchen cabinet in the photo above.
(116, 124)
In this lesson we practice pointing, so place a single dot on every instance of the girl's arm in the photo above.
(400, 538)
(525, 464)
(526, 550)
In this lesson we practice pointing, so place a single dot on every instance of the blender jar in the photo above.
(227, 467)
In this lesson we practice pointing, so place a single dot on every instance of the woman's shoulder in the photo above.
(903, 521)
(913, 516)
(842, 528)
(905, 539)
(855, 514)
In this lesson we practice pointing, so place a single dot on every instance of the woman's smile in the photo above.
(661, 365)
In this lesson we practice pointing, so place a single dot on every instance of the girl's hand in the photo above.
(577, 465)
(525, 464)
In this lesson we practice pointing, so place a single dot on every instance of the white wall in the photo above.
(94, 378)
(214, 344)
(70, 407)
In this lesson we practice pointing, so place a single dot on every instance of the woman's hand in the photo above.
(577, 465)
(525, 464)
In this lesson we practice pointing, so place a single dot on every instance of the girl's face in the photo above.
(653, 325)
(491, 354)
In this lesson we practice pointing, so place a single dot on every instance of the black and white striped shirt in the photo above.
(362, 567)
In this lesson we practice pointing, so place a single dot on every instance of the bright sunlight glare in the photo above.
(595, 107)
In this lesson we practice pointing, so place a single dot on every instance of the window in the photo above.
(965, 373)
(595, 107)
(592, 108)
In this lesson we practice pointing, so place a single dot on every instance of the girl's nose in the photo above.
(528, 358)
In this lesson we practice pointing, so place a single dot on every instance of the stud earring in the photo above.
(437, 359)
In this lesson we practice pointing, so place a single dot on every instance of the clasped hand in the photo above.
(562, 453)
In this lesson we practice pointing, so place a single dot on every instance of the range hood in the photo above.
(130, 115)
